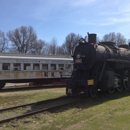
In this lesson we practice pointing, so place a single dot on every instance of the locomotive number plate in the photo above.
(91, 82)
(78, 61)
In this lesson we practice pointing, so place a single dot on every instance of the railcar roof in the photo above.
(35, 58)
(34, 55)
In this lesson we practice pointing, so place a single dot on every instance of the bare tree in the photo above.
(45, 49)
(22, 39)
(128, 41)
(37, 47)
(3, 42)
(109, 37)
(118, 38)
(70, 43)
(52, 48)
(60, 50)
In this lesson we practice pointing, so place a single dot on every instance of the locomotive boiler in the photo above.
(99, 66)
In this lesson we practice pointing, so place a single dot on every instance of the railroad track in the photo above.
(53, 107)
(31, 88)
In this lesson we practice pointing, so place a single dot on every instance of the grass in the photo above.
(8, 99)
(108, 111)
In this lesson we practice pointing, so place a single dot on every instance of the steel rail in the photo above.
(38, 111)
(29, 104)
(31, 88)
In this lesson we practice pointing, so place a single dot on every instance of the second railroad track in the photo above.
(54, 104)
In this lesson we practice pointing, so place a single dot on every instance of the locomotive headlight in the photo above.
(78, 56)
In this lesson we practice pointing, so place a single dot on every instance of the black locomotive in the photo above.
(99, 66)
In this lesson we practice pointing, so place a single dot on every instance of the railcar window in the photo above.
(53, 66)
(17, 66)
(6, 66)
(68, 66)
(27, 66)
(61, 67)
(36, 66)
(45, 67)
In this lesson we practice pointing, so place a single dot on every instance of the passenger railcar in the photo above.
(19, 68)
(99, 66)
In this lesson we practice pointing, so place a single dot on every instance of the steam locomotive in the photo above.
(99, 66)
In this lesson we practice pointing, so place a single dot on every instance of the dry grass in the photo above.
(109, 112)
(8, 99)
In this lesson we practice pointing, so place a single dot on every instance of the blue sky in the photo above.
(58, 18)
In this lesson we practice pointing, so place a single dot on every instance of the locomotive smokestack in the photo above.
(92, 38)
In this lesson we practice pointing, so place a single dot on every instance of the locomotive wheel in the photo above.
(93, 91)
(120, 88)
(112, 90)
(118, 83)
(126, 83)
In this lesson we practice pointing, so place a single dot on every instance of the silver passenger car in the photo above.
(18, 68)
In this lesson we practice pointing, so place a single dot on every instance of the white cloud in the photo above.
(117, 13)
